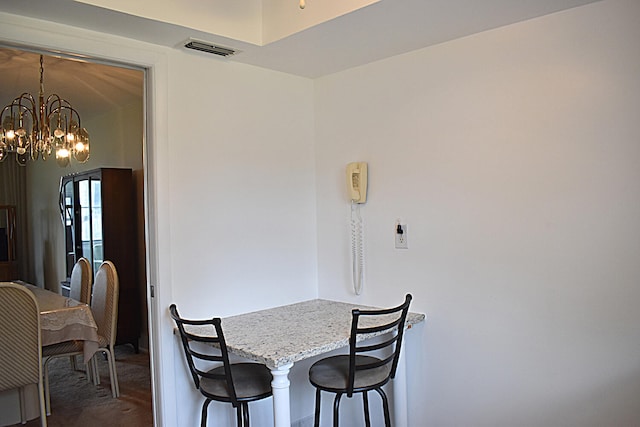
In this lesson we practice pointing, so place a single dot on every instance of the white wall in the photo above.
(241, 184)
(513, 157)
(242, 200)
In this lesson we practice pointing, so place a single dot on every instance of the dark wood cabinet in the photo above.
(99, 216)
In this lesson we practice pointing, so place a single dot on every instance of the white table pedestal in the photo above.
(280, 387)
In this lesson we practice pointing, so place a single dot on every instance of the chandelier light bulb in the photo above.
(62, 158)
(11, 134)
(58, 133)
(70, 137)
(303, 4)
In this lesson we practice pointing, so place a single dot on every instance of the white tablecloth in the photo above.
(65, 319)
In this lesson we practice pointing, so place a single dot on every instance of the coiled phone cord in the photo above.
(357, 248)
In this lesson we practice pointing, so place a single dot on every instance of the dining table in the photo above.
(65, 319)
(61, 319)
(281, 336)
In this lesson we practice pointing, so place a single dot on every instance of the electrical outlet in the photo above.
(401, 236)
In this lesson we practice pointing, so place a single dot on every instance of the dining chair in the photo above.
(80, 290)
(80, 282)
(370, 364)
(235, 383)
(20, 344)
(104, 306)
(64, 349)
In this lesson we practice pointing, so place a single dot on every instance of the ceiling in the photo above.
(380, 30)
(91, 88)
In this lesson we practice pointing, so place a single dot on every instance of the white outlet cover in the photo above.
(401, 239)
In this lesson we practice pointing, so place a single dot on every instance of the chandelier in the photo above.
(33, 130)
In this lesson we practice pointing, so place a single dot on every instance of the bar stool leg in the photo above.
(316, 420)
(365, 399)
(336, 410)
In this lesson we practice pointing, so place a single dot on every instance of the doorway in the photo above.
(110, 100)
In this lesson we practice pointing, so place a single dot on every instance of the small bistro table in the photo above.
(281, 336)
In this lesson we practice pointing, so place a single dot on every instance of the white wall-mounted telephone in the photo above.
(357, 182)
(357, 190)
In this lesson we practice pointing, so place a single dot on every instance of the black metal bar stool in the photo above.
(237, 383)
(360, 371)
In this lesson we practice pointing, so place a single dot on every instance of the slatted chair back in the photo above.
(104, 306)
(104, 302)
(20, 332)
(364, 323)
(20, 342)
(80, 283)
(201, 351)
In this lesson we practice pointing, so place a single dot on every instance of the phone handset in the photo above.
(357, 181)
(357, 189)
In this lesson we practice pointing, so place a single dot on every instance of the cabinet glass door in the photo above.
(90, 205)
(96, 224)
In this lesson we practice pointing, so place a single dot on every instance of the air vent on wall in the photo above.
(209, 48)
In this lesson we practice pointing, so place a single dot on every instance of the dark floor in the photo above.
(75, 402)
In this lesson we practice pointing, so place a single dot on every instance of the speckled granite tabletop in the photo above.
(283, 335)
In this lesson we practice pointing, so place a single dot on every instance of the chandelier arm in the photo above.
(55, 100)
(28, 100)
(27, 96)
(25, 109)
(64, 110)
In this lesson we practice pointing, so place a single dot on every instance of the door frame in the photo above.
(30, 34)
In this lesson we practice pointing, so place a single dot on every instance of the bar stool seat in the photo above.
(329, 374)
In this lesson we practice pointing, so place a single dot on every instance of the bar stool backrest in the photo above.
(364, 323)
(200, 351)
